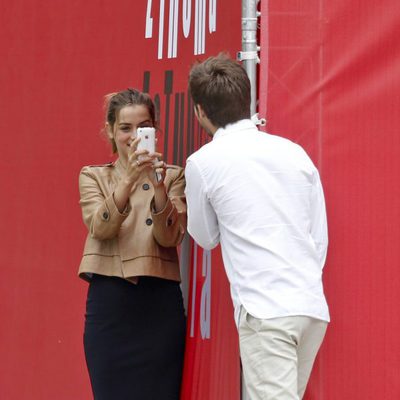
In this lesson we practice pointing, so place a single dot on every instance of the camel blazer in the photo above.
(137, 242)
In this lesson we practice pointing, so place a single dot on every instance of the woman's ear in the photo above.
(109, 131)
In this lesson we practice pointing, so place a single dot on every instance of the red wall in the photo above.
(330, 80)
(58, 60)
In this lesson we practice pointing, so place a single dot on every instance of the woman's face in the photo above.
(129, 119)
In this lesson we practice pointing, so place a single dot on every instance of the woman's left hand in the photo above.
(157, 176)
(158, 171)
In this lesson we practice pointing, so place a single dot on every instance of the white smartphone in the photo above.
(147, 139)
(147, 142)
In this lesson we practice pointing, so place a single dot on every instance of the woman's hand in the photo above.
(159, 168)
(138, 162)
(157, 177)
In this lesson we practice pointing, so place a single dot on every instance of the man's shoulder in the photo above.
(285, 142)
(201, 154)
(294, 152)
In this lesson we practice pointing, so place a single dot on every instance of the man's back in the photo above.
(261, 197)
(270, 210)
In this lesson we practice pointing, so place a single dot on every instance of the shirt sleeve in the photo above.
(319, 227)
(202, 220)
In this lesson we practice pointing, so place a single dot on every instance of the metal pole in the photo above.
(250, 48)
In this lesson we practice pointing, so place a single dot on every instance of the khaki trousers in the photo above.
(278, 354)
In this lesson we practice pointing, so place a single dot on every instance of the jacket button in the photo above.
(105, 215)
(146, 186)
(149, 221)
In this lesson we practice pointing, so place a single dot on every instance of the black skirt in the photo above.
(134, 338)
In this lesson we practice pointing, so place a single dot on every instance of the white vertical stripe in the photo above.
(186, 16)
(203, 27)
(194, 279)
(171, 28)
(161, 30)
(176, 16)
(149, 21)
(196, 28)
(212, 18)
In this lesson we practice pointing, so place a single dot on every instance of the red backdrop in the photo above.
(330, 80)
(58, 60)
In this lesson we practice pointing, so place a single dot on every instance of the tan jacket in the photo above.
(138, 241)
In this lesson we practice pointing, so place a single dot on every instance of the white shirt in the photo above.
(260, 196)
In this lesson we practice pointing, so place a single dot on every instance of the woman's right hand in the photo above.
(139, 161)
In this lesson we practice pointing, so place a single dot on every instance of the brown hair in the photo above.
(114, 102)
(221, 87)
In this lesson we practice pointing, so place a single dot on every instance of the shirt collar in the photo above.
(234, 127)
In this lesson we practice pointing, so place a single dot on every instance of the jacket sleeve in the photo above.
(100, 214)
(170, 223)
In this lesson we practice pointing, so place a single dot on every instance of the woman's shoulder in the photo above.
(175, 170)
(98, 169)
(174, 167)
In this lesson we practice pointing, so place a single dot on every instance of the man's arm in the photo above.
(202, 220)
(319, 228)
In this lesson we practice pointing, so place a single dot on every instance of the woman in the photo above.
(135, 324)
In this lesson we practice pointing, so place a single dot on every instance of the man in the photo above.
(261, 197)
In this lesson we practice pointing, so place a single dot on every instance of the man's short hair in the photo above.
(221, 87)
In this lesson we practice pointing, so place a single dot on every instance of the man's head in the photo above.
(221, 87)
